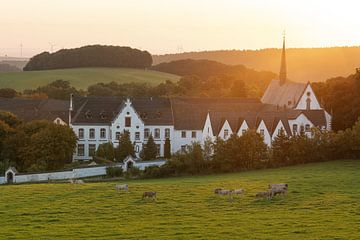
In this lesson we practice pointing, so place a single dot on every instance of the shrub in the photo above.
(114, 172)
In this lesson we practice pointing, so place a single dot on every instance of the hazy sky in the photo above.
(169, 26)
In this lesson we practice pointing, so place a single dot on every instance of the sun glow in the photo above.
(170, 26)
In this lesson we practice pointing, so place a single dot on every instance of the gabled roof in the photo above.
(286, 94)
(190, 113)
(153, 111)
(96, 110)
(103, 110)
(36, 109)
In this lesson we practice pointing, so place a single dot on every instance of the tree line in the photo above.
(250, 152)
(91, 56)
(34, 146)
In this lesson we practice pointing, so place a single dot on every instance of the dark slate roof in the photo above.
(103, 110)
(96, 110)
(36, 109)
(282, 94)
(153, 111)
(190, 113)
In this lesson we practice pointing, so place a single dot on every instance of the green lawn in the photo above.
(323, 203)
(81, 78)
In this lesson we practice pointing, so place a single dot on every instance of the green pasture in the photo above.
(323, 203)
(81, 78)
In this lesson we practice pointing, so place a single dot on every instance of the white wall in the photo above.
(86, 140)
(227, 127)
(244, 126)
(267, 137)
(314, 104)
(279, 126)
(301, 120)
(207, 132)
(179, 141)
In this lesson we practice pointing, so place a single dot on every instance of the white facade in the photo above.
(308, 100)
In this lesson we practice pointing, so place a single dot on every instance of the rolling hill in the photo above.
(304, 64)
(81, 78)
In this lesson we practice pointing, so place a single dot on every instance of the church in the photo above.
(289, 106)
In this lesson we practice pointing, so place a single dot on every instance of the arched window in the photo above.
(308, 103)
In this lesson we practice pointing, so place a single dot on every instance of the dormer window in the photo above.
(262, 132)
(226, 133)
(127, 121)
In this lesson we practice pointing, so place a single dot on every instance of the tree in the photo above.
(58, 89)
(238, 89)
(280, 149)
(7, 93)
(106, 151)
(150, 151)
(10, 119)
(167, 149)
(51, 148)
(5, 130)
(125, 147)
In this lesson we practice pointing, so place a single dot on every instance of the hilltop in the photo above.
(81, 78)
(304, 64)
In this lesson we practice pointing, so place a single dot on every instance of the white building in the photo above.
(289, 106)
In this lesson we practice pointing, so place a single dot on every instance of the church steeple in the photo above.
(282, 74)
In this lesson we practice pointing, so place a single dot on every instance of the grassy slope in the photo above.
(323, 203)
(81, 77)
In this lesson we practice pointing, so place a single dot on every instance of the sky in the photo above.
(172, 26)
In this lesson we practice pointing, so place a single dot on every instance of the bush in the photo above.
(133, 172)
(114, 172)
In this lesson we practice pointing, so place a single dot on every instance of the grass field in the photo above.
(323, 203)
(81, 78)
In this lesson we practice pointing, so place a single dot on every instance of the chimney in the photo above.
(71, 107)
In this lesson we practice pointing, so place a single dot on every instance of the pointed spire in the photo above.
(282, 74)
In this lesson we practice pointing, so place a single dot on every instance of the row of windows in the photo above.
(157, 133)
(183, 134)
(302, 128)
(81, 133)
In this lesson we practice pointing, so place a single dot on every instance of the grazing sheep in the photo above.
(239, 191)
(263, 195)
(217, 190)
(124, 187)
(72, 181)
(149, 195)
(276, 189)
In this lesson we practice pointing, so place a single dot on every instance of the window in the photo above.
(183, 148)
(243, 131)
(295, 128)
(81, 133)
(102, 133)
(280, 130)
(308, 104)
(183, 134)
(167, 132)
(146, 133)
(307, 127)
(80, 150)
(193, 134)
(158, 149)
(262, 132)
(226, 133)
(58, 121)
(157, 133)
(137, 135)
(92, 149)
(127, 121)
(137, 149)
(117, 135)
(92, 133)
(302, 129)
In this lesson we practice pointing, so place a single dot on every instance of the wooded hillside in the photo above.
(91, 56)
(304, 64)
